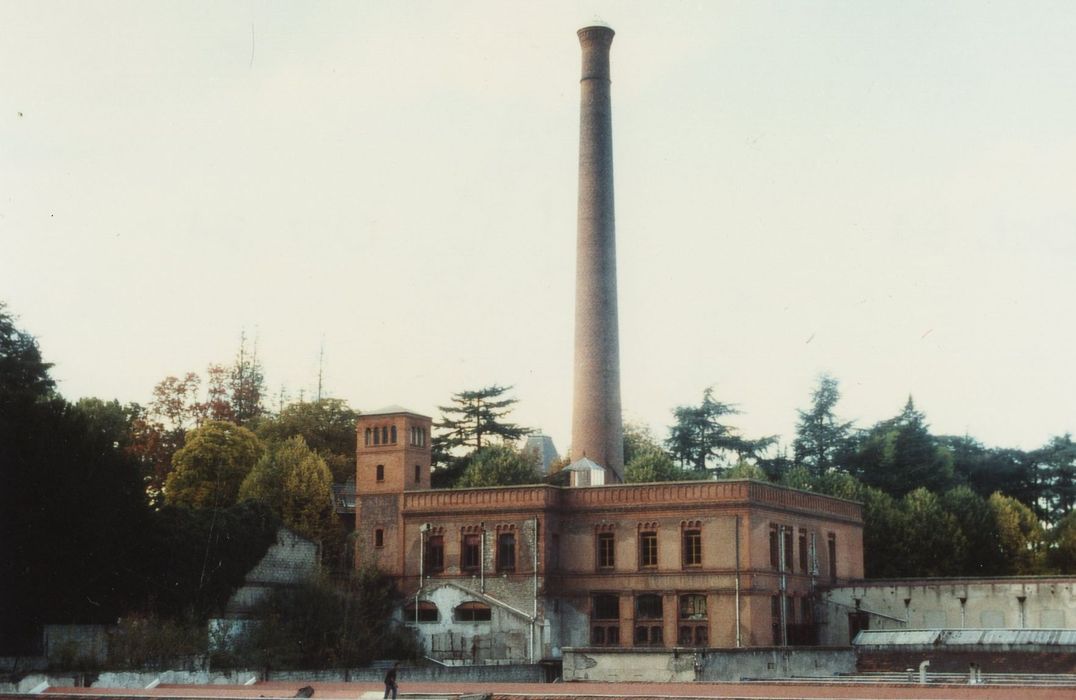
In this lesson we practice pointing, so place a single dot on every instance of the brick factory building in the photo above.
(513, 574)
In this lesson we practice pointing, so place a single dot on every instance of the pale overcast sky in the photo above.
(884, 191)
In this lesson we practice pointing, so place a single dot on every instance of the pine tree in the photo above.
(822, 442)
(475, 417)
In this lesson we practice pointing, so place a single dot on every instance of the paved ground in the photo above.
(586, 691)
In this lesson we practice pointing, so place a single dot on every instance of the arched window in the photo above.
(473, 611)
(367, 443)
(384, 435)
(393, 434)
(426, 612)
(377, 436)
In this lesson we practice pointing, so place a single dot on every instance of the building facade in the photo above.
(513, 574)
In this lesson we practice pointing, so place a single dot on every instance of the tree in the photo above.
(327, 426)
(1056, 463)
(22, 371)
(644, 459)
(746, 470)
(899, 455)
(799, 477)
(296, 484)
(1062, 555)
(72, 515)
(822, 442)
(1020, 532)
(884, 530)
(986, 470)
(318, 625)
(247, 384)
(700, 441)
(499, 465)
(474, 417)
(982, 556)
(932, 542)
(199, 557)
(209, 469)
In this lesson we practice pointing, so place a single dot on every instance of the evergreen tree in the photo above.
(476, 416)
(822, 442)
(247, 385)
(1056, 472)
(700, 441)
(900, 455)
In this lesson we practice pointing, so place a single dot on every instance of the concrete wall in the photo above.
(1013, 602)
(684, 665)
(518, 673)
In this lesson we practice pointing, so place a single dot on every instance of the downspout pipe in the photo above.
(534, 617)
(739, 638)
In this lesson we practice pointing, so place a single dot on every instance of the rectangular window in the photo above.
(470, 552)
(605, 619)
(775, 548)
(606, 550)
(648, 635)
(381, 472)
(648, 549)
(692, 547)
(506, 551)
(379, 538)
(435, 554)
(803, 550)
(832, 542)
(787, 535)
(418, 473)
(694, 628)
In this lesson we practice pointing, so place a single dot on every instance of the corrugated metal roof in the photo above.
(966, 637)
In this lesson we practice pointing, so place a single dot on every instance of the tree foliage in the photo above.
(1020, 533)
(22, 371)
(319, 625)
(327, 426)
(198, 557)
(699, 440)
(822, 442)
(474, 417)
(900, 455)
(211, 465)
(500, 465)
(1056, 473)
(296, 484)
(644, 459)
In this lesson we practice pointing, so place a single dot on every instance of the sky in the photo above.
(882, 191)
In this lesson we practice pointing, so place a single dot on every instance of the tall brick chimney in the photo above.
(597, 432)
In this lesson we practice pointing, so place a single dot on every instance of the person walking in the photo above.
(390, 680)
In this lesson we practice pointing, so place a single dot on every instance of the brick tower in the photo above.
(393, 456)
(597, 432)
